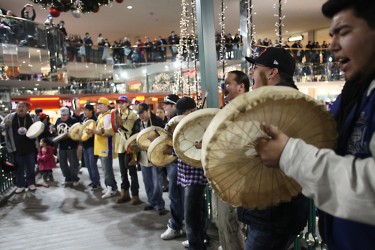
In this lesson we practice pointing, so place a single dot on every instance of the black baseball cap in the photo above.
(275, 58)
(171, 99)
(88, 106)
(184, 104)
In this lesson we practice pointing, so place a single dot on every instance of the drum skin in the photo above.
(230, 161)
(189, 131)
(172, 123)
(88, 124)
(75, 131)
(155, 151)
(143, 138)
(35, 130)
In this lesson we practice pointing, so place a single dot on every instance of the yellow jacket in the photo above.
(105, 143)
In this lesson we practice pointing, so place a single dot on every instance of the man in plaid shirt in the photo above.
(194, 183)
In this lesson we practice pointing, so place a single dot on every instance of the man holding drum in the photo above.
(88, 149)
(341, 182)
(275, 227)
(104, 143)
(23, 149)
(67, 148)
(128, 118)
(152, 176)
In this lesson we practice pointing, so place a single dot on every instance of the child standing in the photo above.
(46, 160)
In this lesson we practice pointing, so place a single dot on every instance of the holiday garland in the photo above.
(57, 6)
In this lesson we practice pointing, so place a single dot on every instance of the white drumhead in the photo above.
(189, 131)
(229, 158)
(75, 131)
(35, 130)
(172, 123)
(89, 124)
(143, 138)
(155, 151)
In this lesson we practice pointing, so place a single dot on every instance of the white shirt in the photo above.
(339, 185)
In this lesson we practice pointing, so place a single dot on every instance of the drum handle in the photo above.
(204, 99)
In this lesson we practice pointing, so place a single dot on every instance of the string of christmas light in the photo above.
(182, 43)
(222, 50)
(250, 26)
(279, 24)
(194, 44)
(76, 6)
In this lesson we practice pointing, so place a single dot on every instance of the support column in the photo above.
(207, 51)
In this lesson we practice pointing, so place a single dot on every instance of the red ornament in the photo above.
(54, 12)
(119, 1)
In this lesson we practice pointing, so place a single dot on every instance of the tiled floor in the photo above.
(77, 218)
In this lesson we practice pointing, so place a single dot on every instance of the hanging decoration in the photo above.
(162, 83)
(54, 12)
(77, 13)
(83, 6)
(222, 50)
(184, 22)
(194, 46)
(279, 24)
(250, 26)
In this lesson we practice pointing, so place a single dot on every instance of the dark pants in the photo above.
(267, 240)
(124, 159)
(196, 215)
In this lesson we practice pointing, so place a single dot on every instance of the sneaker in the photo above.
(32, 187)
(170, 234)
(109, 193)
(104, 190)
(91, 184)
(76, 184)
(162, 211)
(20, 190)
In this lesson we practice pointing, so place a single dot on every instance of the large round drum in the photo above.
(75, 131)
(147, 135)
(189, 132)
(131, 144)
(88, 124)
(115, 120)
(155, 151)
(35, 130)
(172, 123)
(230, 160)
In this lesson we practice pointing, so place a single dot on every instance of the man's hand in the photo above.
(270, 149)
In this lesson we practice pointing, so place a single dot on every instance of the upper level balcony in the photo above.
(37, 59)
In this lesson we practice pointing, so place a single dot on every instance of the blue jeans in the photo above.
(196, 216)
(25, 163)
(176, 195)
(153, 179)
(70, 172)
(267, 240)
(109, 176)
(91, 164)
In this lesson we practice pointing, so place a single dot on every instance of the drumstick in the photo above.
(204, 99)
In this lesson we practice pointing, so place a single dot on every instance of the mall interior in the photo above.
(50, 62)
